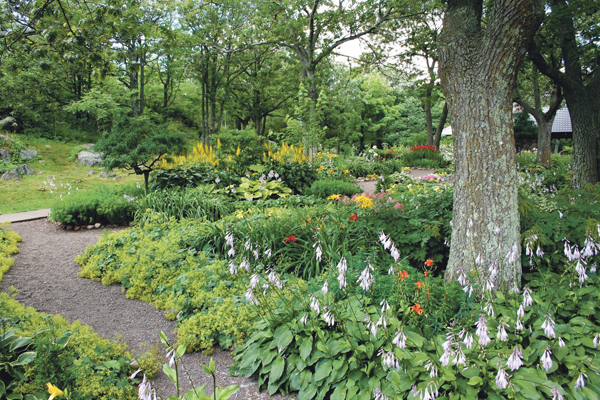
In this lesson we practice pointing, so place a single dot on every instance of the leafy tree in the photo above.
(481, 49)
(572, 26)
(543, 118)
(138, 144)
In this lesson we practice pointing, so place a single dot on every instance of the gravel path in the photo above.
(46, 276)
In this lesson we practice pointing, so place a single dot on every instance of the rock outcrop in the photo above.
(89, 158)
(17, 173)
(28, 154)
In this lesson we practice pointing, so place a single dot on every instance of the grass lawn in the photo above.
(53, 163)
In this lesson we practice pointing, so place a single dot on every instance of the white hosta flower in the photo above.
(245, 264)
(273, 278)
(256, 255)
(366, 278)
(379, 395)
(460, 358)
(560, 214)
(342, 268)
(231, 252)
(482, 331)
(250, 297)
(382, 321)
(502, 335)
(521, 311)
(515, 360)
(513, 253)
(384, 306)
(314, 304)
(468, 341)
(388, 359)
(268, 253)
(561, 342)
(325, 287)
(519, 325)
(248, 245)
(395, 254)
(232, 268)
(539, 252)
(548, 327)
(145, 390)
(547, 359)
(581, 271)
(328, 317)
(217, 180)
(318, 251)
(254, 279)
(372, 326)
(303, 319)
(502, 379)
(596, 340)
(479, 260)
(400, 340)
(527, 299)
(556, 394)
(580, 381)
(229, 238)
(433, 371)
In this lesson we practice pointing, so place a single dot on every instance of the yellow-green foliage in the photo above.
(9, 241)
(80, 366)
(160, 264)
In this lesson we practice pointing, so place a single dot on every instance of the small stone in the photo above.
(98, 225)
(76, 228)
(4, 155)
(41, 189)
(90, 227)
(28, 154)
(90, 172)
(48, 146)
(106, 175)
(69, 227)
(117, 177)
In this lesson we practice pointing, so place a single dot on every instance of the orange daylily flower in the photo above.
(429, 262)
(417, 308)
(403, 275)
(419, 285)
(425, 274)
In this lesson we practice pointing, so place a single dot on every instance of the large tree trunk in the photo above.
(477, 70)
(544, 144)
(585, 121)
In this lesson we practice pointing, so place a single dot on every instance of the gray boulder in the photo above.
(5, 138)
(28, 154)
(89, 158)
(17, 173)
(4, 155)
(106, 175)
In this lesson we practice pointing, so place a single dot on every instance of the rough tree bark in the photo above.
(478, 67)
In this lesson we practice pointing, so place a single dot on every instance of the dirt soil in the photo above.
(46, 275)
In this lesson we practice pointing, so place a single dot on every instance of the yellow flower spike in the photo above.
(54, 391)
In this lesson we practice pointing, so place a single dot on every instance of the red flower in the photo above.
(429, 262)
(354, 217)
(291, 238)
(419, 285)
(417, 308)
(425, 274)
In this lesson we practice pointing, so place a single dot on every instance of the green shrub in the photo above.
(423, 157)
(70, 356)
(263, 189)
(327, 187)
(416, 139)
(297, 176)
(183, 176)
(183, 203)
(9, 241)
(103, 204)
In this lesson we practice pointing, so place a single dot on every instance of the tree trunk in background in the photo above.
(544, 144)
(584, 112)
(429, 120)
(438, 132)
(478, 68)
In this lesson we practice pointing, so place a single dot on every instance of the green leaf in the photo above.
(20, 342)
(307, 393)
(339, 393)
(283, 338)
(170, 372)
(63, 341)
(277, 369)
(338, 346)
(415, 338)
(323, 369)
(24, 358)
(224, 394)
(475, 380)
(306, 347)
